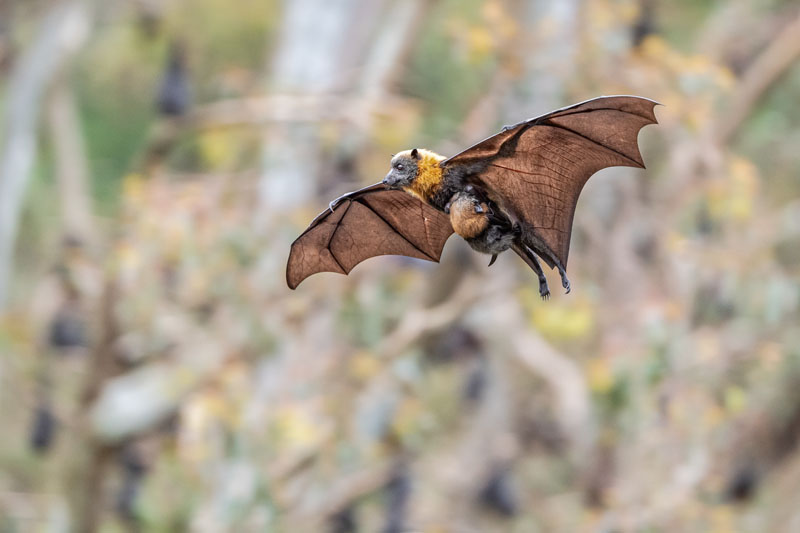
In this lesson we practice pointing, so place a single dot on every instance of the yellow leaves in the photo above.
(599, 375)
(735, 399)
(731, 197)
(498, 19)
(655, 46)
(722, 519)
(676, 242)
(133, 188)
(602, 18)
(744, 181)
(408, 418)
(566, 320)
(16, 329)
(712, 415)
(364, 365)
(222, 149)
(479, 43)
(295, 427)
(692, 83)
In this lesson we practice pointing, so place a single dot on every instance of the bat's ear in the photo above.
(415, 153)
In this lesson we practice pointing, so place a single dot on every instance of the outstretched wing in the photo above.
(365, 223)
(535, 170)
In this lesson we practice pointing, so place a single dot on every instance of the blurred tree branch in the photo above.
(418, 323)
(769, 66)
(72, 168)
(61, 33)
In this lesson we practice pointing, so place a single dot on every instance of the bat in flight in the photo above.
(515, 190)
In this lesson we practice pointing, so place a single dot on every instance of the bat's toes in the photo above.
(544, 290)
(566, 284)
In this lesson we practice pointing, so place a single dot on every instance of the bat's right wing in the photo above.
(366, 223)
(536, 169)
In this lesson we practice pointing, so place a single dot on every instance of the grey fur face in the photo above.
(404, 169)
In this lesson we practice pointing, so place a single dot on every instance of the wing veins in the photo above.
(333, 234)
(613, 150)
(537, 174)
(395, 230)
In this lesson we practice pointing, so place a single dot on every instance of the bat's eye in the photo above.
(399, 166)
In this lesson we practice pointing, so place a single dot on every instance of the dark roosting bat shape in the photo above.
(516, 189)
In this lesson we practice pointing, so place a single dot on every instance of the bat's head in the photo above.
(405, 168)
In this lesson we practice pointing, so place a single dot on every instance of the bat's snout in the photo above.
(389, 180)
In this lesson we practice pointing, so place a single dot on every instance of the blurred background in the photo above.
(158, 157)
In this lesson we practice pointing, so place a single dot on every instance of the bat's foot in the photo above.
(493, 259)
(544, 290)
(565, 281)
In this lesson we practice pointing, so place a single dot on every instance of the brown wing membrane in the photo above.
(536, 169)
(366, 223)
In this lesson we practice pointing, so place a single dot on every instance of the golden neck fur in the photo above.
(429, 174)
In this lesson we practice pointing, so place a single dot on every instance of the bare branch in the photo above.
(767, 69)
(62, 32)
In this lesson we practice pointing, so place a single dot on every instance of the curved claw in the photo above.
(478, 209)
(494, 258)
(564, 279)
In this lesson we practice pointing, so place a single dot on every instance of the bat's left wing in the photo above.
(536, 169)
(366, 223)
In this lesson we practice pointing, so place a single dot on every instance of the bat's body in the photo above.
(516, 189)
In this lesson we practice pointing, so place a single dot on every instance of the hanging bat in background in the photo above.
(516, 189)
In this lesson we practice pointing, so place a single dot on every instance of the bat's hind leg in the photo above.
(551, 259)
(564, 279)
(530, 259)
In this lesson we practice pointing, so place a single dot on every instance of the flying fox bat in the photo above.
(514, 190)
